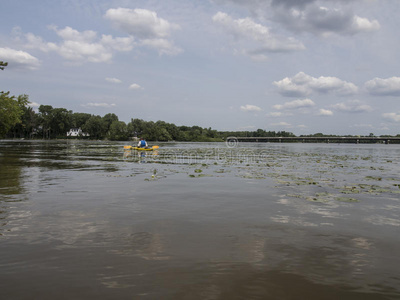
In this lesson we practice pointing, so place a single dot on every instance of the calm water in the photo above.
(88, 220)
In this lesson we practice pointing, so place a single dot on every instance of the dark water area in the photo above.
(90, 220)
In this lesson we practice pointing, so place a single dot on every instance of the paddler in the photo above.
(142, 143)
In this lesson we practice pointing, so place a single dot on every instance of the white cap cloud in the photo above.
(261, 37)
(395, 117)
(352, 106)
(151, 30)
(81, 46)
(310, 16)
(384, 87)
(296, 104)
(143, 27)
(250, 108)
(141, 23)
(19, 59)
(113, 80)
(302, 85)
(325, 112)
(135, 86)
(321, 20)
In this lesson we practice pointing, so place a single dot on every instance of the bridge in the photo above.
(315, 139)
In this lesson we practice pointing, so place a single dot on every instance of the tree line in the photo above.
(19, 120)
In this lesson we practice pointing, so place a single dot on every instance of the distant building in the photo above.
(76, 132)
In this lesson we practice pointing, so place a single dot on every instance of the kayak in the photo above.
(141, 149)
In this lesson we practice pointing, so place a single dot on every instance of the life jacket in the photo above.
(142, 143)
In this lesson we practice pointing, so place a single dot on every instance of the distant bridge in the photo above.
(315, 139)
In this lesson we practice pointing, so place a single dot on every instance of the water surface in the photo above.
(88, 220)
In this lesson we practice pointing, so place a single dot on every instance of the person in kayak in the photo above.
(142, 143)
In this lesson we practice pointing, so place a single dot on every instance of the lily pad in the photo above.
(345, 199)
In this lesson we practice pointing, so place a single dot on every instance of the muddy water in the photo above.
(88, 220)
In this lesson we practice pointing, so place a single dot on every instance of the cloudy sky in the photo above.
(303, 66)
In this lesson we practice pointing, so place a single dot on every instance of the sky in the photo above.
(303, 66)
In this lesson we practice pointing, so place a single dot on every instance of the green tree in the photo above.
(60, 121)
(45, 113)
(108, 119)
(137, 126)
(163, 135)
(29, 120)
(118, 131)
(79, 119)
(94, 127)
(55, 121)
(3, 64)
(11, 110)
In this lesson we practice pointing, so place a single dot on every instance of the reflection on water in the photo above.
(199, 221)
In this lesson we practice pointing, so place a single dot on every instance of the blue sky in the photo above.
(306, 66)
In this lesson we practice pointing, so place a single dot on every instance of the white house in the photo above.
(76, 132)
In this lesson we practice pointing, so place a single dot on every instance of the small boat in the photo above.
(141, 149)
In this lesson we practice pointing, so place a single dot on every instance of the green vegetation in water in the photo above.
(199, 175)
(316, 199)
(323, 197)
(345, 199)
(376, 178)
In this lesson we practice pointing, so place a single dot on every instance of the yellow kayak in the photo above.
(141, 149)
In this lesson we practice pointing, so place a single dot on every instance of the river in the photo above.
(90, 220)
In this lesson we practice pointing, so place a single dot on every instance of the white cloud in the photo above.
(352, 106)
(19, 59)
(250, 108)
(363, 24)
(281, 124)
(322, 20)
(113, 80)
(163, 46)
(264, 41)
(384, 87)
(146, 26)
(296, 104)
(325, 112)
(71, 34)
(123, 44)
(36, 42)
(82, 46)
(395, 117)
(278, 114)
(93, 104)
(34, 104)
(289, 88)
(135, 86)
(141, 23)
(327, 84)
(302, 85)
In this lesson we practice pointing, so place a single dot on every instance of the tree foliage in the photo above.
(3, 64)
(11, 111)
